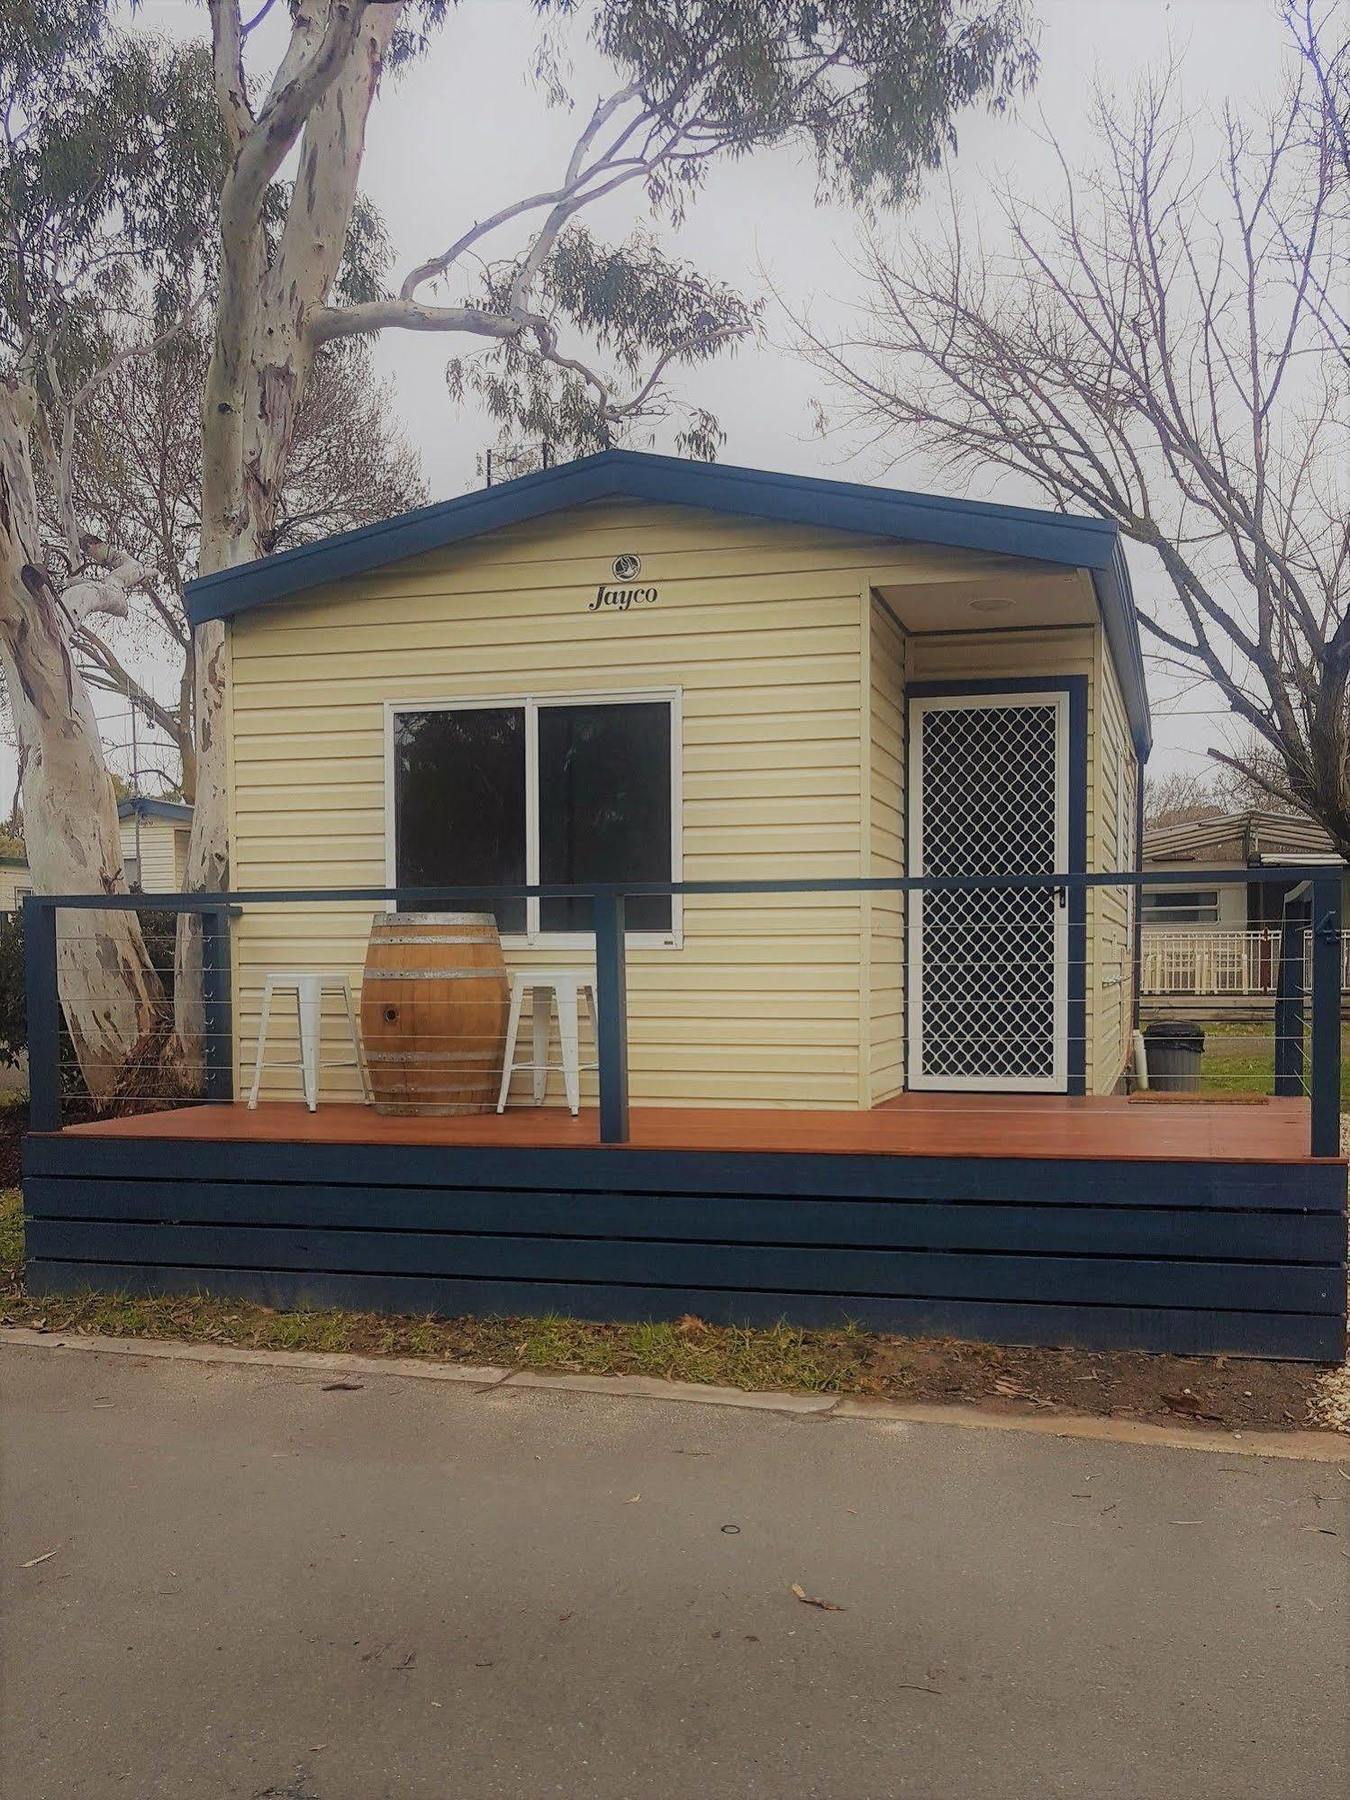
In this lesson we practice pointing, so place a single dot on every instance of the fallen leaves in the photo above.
(1013, 1390)
(800, 1593)
(1187, 1403)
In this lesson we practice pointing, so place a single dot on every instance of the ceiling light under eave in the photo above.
(994, 604)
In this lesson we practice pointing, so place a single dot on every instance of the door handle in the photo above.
(1061, 897)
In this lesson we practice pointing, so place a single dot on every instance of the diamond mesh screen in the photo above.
(989, 808)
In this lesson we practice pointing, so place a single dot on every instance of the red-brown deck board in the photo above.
(934, 1125)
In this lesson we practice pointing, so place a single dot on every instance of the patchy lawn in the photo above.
(1234, 1393)
(1240, 1059)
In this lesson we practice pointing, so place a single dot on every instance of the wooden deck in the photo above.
(957, 1126)
(1194, 1226)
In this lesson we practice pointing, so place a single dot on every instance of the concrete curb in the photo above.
(1289, 1446)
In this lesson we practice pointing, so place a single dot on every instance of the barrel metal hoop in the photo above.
(479, 937)
(484, 973)
(452, 918)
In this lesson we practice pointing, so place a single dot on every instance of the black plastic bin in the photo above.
(1173, 1049)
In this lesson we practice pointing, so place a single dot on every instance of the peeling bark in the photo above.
(261, 357)
(109, 991)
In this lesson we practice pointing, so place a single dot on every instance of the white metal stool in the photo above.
(309, 991)
(562, 986)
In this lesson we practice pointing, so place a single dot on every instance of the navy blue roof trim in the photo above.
(1115, 599)
(139, 806)
(1062, 538)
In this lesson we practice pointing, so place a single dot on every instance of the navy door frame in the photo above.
(1076, 688)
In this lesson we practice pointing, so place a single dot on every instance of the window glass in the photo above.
(604, 807)
(1182, 906)
(459, 797)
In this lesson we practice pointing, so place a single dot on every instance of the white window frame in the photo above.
(531, 703)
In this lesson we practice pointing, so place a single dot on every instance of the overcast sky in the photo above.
(464, 131)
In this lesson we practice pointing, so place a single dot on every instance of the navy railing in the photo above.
(1308, 1060)
(1314, 906)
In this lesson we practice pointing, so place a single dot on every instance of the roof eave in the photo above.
(1036, 535)
(1115, 602)
(1064, 539)
(174, 812)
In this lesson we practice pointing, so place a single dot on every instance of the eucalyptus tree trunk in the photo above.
(261, 357)
(109, 990)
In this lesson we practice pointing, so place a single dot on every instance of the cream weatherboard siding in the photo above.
(759, 628)
(1112, 910)
(884, 748)
(163, 853)
(789, 684)
(15, 881)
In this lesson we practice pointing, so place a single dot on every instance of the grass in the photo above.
(1240, 1059)
(1239, 1393)
(11, 1236)
(784, 1357)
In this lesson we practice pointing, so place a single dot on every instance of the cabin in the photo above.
(16, 880)
(670, 690)
(1212, 950)
(1229, 844)
(831, 794)
(154, 837)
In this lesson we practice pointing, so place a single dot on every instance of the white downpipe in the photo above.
(1140, 1063)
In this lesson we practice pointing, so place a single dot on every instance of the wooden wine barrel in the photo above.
(434, 1004)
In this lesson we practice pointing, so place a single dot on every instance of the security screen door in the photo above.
(988, 968)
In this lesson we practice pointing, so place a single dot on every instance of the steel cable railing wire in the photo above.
(1100, 970)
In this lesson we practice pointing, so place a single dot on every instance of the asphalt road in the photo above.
(263, 1589)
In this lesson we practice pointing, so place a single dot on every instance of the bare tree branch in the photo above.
(1149, 341)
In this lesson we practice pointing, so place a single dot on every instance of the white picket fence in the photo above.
(1217, 962)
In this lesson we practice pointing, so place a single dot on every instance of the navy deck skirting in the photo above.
(1185, 1257)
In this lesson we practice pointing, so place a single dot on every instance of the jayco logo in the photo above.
(620, 599)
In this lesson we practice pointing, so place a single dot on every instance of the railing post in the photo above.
(611, 1029)
(1326, 1015)
(43, 1013)
(218, 1059)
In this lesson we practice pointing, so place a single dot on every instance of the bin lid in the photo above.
(1176, 1031)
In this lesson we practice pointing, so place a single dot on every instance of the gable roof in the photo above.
(138, 806)
(1066, 539)
(1254, 836)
